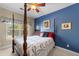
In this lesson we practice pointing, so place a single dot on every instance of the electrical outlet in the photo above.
(67, 45)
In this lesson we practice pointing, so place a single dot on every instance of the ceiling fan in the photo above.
(34, 6)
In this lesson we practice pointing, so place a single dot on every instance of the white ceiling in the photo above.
(50, 7)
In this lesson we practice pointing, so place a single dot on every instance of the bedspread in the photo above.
(36, 45)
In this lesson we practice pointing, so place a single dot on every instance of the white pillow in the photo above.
(41, 34)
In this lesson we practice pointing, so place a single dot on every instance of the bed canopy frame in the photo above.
(24, 32)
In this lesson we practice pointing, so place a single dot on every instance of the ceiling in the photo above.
(50, 7)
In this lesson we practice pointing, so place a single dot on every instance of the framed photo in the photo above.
(46, 24)
(66, 26)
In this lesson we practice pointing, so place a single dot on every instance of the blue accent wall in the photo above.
(63, 37)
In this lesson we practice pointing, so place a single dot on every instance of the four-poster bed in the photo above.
(24, 32)
(31, 45)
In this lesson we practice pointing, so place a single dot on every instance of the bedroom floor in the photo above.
(55, 52)
(58, 51)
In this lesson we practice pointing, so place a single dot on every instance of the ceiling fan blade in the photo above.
(21, 9)
(29, 9)
(41, 4)
(37, 10)
(38, 4)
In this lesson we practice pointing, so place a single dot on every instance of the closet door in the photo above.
(2, 34)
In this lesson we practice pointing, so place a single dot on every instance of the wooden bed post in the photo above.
(25, 31)
(13, 35)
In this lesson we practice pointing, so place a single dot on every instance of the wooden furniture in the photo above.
(24, 32)
(13, 35)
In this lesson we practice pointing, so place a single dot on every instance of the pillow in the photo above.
(51, 34)
(45, 34)
(41, 34)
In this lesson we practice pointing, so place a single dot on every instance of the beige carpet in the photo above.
(55, 52)
(7, 52)
(58, 51)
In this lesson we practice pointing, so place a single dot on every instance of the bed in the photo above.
(36, 45)
(31, 45)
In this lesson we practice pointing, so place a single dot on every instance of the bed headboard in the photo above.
(46, 34)
(36, 33)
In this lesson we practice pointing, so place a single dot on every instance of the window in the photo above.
(18, 29)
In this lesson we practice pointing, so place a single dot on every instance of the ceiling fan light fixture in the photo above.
(37, 10)
(33, 7)
(29, 9)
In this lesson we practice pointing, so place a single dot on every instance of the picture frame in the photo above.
(66, 26)
(46, 24)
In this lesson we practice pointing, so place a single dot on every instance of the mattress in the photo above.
(36, 45)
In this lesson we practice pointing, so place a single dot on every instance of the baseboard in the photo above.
(4, 47)
(67, 50)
